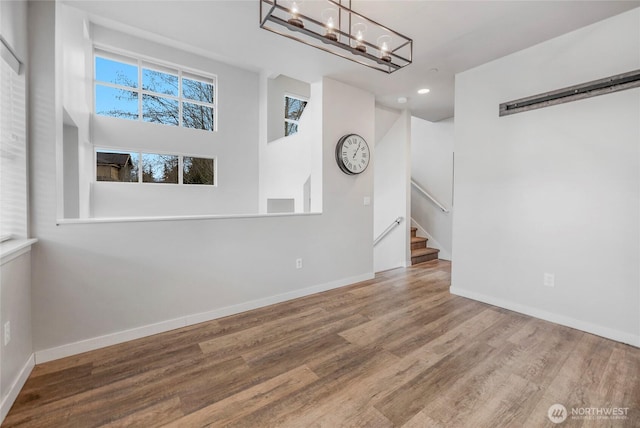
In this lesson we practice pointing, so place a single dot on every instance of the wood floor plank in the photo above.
(303, 344)
(404, 403)
(421, 420)
(154, 415)
(290, 410)
(249, 400)
(268, 332)
(381, 328)
(357, 398)
(395, 351)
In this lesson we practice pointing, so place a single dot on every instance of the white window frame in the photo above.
(155, 152)
(141, 62)
(286, 120)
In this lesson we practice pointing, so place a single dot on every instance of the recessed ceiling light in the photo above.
(423, 91)
(402, 100)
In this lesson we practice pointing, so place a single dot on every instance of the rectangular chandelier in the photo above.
(332, 27)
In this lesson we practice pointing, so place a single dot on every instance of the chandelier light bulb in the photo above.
(329, 16)
(359, 29)
(383, 43)
(295, 16)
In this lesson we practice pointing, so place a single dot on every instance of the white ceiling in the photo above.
(449, 37)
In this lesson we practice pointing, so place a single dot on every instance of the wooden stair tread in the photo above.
(420, 253)
(424, 251)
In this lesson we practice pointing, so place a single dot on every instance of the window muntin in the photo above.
(132, 89)
(293, 108)
(139, 167)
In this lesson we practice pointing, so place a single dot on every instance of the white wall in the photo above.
(75, 51)
(391, 188)
(234, 145)
(432, 169)
(131, 279)
(13, 15)
(285, 163)
(553, 190)
(16, 358)
(277, 89)
(71, 175)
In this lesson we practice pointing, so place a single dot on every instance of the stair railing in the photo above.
(428, 196)
(387, 230)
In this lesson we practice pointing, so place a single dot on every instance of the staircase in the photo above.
(419, 251)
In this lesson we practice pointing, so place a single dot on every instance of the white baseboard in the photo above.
(79, 347)
(16, 386)
(588, 327)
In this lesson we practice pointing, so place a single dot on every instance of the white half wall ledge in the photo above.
(587, 327)
(14, 248)
(92, 344)
(98, 220)
(16, 386)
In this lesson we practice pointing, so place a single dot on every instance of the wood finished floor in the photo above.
(396, 351)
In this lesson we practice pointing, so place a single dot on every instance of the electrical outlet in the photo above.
(7, 333)
(298, 263)
(549, 280)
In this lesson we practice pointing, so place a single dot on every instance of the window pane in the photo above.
(197, 170)
(162, 83)
(293, 108)
(160, 110)
(117, 166)
(290, 128)
(197, 90)
(116, 72)
(159, 168)
(116, 102)
(197, 116)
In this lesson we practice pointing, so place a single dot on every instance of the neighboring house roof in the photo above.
(116, 159)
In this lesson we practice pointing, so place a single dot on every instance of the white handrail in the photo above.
(387, 230)
(428, 196)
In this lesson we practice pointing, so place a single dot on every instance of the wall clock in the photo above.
(352, 154)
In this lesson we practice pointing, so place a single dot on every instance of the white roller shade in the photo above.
(13, 153)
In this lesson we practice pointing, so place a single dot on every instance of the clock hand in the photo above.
(356, 152)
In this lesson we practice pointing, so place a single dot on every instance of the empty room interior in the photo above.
(319, 213)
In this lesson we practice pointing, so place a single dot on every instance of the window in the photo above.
(13, 148)
(293, 108)
(133, 167)
(134, 89)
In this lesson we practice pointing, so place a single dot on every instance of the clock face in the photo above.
(352, 154)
